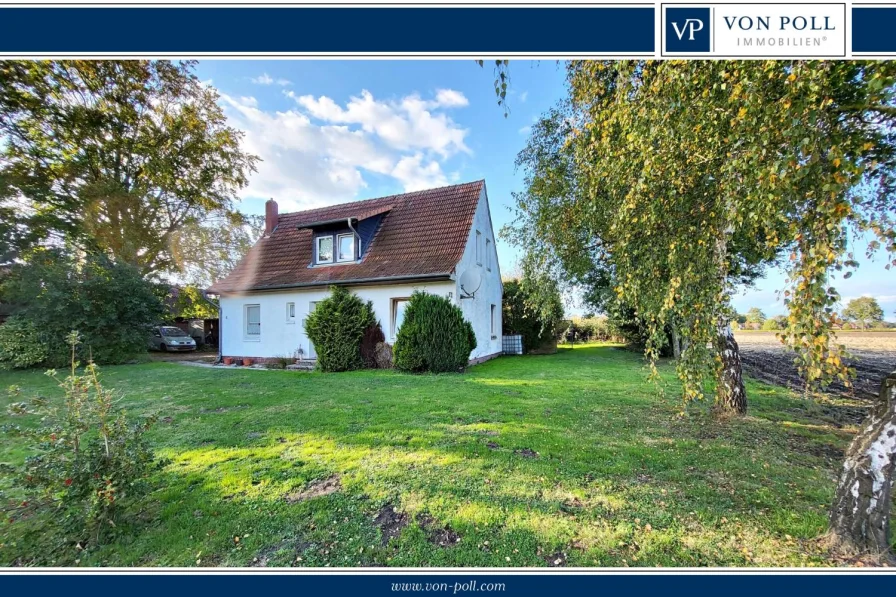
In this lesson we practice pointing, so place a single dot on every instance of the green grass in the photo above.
(620, 477)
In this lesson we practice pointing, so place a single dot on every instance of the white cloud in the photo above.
(408, 124)
(525, 130)
(449, 98)
(266, 79)
(319, 152)
(524, 96)
(415, 175)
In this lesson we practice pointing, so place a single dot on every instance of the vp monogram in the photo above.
(691, 26)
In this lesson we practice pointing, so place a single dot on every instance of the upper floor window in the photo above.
(488, 254)
(478, 248)
(346, 247)
(324, 249)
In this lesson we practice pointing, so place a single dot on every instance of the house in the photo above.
(439, 241)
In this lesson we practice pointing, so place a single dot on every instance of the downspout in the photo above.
(358, 236)
(220, 334)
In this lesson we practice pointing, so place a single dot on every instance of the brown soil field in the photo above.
(873, 357)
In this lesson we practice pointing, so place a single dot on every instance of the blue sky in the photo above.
(334, 131)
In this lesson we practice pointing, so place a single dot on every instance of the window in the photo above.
(398, 308)
(346, 245)
(488, 254)
(290, 312)
(253, 322)
(324, 249)
(494, 323)
(478, 248)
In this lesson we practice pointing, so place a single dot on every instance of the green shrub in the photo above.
(109, 303)
(20, 344)
(90, 466)
(434, 336)
(779, 322)
(592, 329)
(536, 316)
(336, 327)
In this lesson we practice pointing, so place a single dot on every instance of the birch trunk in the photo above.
(731, 395)
(676, 343)
(860, 516)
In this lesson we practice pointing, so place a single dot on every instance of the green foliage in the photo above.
(190, 303)
(434, 337)
(21, 345)
(336, 327)
(90, 464)
(110, 304)
(777, 323)
(755, 315)
(864, 311)
(117, 155)
(682, 179)
(594, 329)
(207, 250)
(538, 317)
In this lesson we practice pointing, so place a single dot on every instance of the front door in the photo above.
(312, 355)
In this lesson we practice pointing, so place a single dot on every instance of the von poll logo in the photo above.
(754, 30)
(687, 30)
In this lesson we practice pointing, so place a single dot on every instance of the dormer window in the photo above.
(335, 247)
(324, 249)
(346, 246)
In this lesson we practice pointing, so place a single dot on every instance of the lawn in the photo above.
(571, 459)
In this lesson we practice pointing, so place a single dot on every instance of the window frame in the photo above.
(478, 248)
(494, 327)
(290, 312)
(394, 314)
(339, 236)
(488, 254)
(317, 259)
(248, 336)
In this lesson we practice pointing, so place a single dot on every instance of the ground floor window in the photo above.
(494, 321)
(290, 312)
(252, 317)
(398, 308)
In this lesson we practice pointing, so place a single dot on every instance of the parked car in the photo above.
(170, 338)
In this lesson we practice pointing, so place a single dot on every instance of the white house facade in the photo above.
(439, 241)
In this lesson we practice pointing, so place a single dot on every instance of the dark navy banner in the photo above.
(369, 585)
(874, 29)
(414, 30)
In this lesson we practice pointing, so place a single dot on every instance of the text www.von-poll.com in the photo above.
(470, 586)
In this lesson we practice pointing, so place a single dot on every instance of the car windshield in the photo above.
(172, 331)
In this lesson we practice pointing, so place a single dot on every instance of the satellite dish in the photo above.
(470, 281)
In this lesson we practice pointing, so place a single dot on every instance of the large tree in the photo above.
(755, 315)
(116, 155)
(864, 310)
(677, 177)
(207, 251)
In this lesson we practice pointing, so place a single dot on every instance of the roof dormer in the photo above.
(345, 240)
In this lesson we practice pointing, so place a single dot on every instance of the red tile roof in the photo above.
(423, 234)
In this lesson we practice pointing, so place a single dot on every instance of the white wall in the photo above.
(279, 338)
(477, 310)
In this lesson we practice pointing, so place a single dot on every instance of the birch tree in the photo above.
(675, 175)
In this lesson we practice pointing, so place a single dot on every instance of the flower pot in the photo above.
(228, 360)
(247, 362)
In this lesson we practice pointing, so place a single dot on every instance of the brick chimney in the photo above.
(270, 216)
